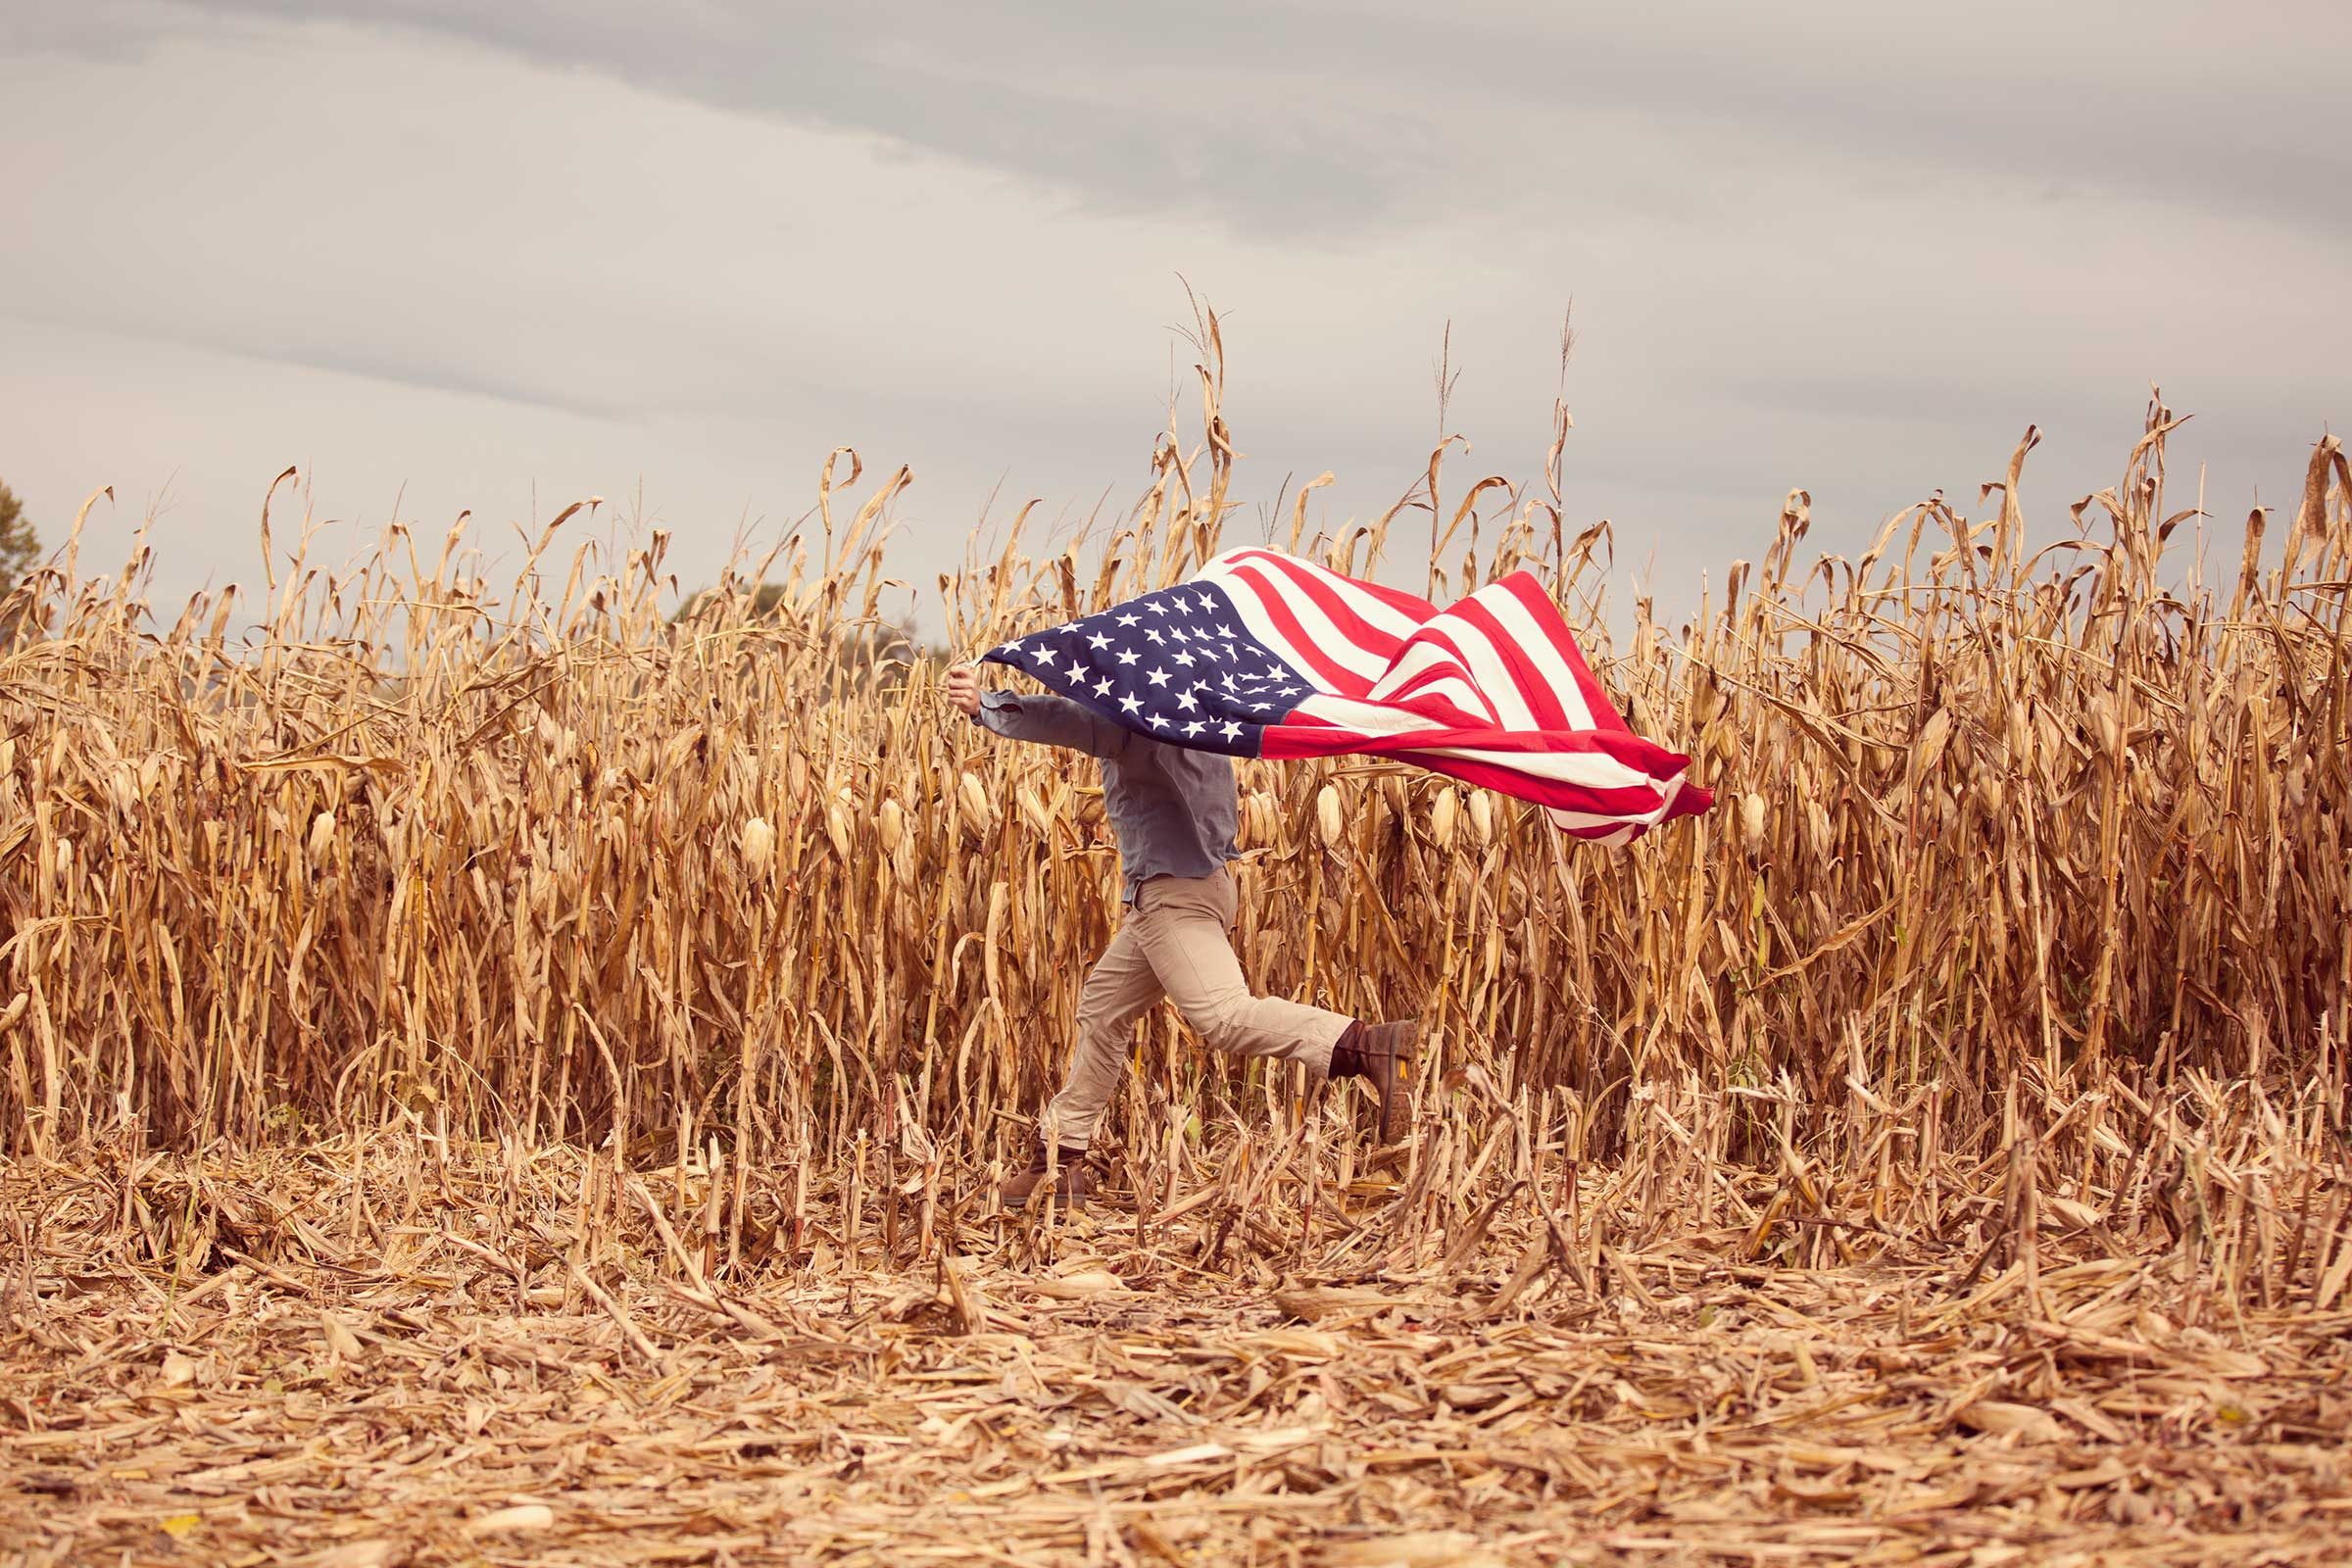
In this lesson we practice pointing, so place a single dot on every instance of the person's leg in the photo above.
(1121, 985)
(1185, 927)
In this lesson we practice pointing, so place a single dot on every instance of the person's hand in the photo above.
(963, 689)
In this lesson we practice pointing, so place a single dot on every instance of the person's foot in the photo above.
(1382, 1054)
(1073, 1181)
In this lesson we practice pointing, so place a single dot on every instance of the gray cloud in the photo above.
(1317, 118)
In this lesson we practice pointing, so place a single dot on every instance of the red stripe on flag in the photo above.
(1397, 599)
(1381, 645)
(1291, 741)
(1440, 637)
(1436, 705)
(1534, 690)
(1546, 614)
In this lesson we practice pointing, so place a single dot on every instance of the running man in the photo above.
(1176, 813)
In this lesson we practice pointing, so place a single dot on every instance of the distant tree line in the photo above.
(20, 550)
(875, 652)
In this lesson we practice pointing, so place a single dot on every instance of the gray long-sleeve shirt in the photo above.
(1175, 811)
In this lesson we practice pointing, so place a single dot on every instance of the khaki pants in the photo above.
(1176, 942)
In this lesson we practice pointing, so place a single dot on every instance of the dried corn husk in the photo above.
(758, 842)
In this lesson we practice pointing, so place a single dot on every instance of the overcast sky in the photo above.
(447, 254)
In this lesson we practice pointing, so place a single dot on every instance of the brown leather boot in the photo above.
(1382, 1054)
(1072, 1185)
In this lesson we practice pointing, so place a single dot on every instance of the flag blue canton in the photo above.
(1176, 664)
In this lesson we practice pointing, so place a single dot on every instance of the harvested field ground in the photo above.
(370, 1354)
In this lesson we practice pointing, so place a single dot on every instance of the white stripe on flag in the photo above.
(1364, 718)
(1260, 625)
(1667, 793)
(1593, 771)
(1423, 657)
(1334, 645)
(1514, 618)
(1487, 670)
(1577, 821)
(1374, 611)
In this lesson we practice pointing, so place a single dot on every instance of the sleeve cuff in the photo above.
(992, 703)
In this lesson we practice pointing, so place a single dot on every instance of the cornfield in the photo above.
(546, 1065)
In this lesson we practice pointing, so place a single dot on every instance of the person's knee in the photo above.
(1101, 1032)
(1106, 1010)
(1222, 1021)
(1097, 1021)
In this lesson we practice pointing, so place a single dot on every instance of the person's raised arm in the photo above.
(1046, 720)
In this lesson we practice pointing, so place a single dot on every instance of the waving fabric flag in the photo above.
(1264, 654)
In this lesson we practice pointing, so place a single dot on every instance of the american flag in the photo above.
(1264, 654)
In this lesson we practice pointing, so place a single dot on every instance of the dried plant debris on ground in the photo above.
(392, 1352)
